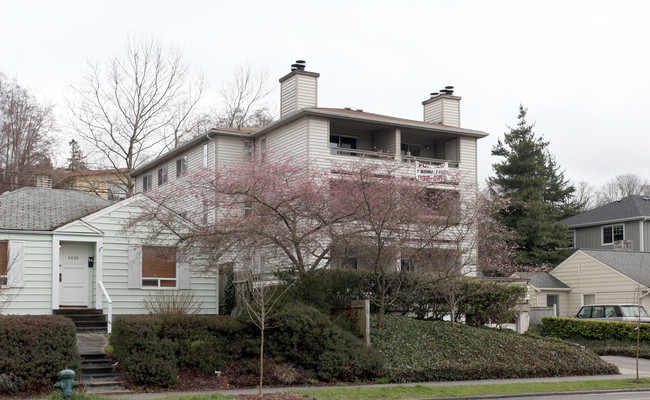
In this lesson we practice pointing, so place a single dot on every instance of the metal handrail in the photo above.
(110, 306)
(433, 161)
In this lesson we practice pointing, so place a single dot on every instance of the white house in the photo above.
(66, 248)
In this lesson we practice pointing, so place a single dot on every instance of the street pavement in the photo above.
(626, 365)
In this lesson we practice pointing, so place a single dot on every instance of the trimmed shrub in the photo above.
(33, 349)
(152, 349)
(308, 339)
(574, 328)
(204, 343)
(145, 357)
(418, 350)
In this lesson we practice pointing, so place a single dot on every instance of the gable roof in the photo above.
(630, 207)
(633, 264)
(39, 209)
(542, 280)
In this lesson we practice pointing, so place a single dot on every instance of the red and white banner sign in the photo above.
(436, 173)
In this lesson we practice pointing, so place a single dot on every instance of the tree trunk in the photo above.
(261, 358)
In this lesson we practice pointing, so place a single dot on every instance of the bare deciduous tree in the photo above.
(584, 196)
(259, 298)
(243, 98)
(622, 186)
(26, 127)
(136, 105)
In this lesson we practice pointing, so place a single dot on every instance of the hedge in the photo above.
(33, 349)
(152, 349)
(308, 339)
(573, 328)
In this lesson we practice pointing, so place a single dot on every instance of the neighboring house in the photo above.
(545, 290)
(106, 183)
(591, 277)
(330, 136)
(58, 248)
(603, 276)
(621, 224)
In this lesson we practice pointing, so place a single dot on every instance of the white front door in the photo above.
(73, 278)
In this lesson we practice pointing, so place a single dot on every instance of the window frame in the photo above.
(612, 234)
(158, 279)
(147, 182)
(205, 154)
(336, 150)
(262, 145)
(181, 166)
(163, 176)
(249, 150)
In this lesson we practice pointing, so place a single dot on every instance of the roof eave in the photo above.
(609, 221)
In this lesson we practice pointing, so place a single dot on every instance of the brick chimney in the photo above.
(44, 181)
(298, 89)
(443, 108)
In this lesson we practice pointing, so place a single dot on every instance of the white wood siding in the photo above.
(594, 277)
(230, 151)
(36, 295)
(115, 276)
(289, 140)
(307, 91)
(319, 139)
(433, 112)
(288, 96)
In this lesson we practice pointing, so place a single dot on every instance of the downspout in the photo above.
(641, 237)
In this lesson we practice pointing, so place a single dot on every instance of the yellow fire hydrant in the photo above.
(67, 382)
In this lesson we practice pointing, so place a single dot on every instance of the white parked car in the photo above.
(614, 312)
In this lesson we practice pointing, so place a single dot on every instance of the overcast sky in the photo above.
(581, 67)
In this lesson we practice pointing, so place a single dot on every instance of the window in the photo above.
(588, 299)
(205, 154)
(162, 175)
(158, 267)
(4, 262)
(345, 262)
(249, 150)
(553, 300)
(262, 148)
(342, 142)
(181, 166)
(146, 182)
(409, 150)
(116, 191)
(613, 233)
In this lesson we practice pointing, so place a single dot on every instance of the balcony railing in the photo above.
(341, 151)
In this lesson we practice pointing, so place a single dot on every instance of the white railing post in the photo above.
(110, 306)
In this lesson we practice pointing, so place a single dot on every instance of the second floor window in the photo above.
(146, 182)
(181, 166)
(613, 233)
(249, 150)
(262, 149)
(162, 175)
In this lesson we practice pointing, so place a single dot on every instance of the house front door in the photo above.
(73, 274)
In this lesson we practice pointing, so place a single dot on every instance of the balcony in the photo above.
(374, 141)
(353, 152)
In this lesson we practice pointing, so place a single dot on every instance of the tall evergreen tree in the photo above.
(537, 195)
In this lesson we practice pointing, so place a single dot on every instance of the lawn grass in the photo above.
(419, 391)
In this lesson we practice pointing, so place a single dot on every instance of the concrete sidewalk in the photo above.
(626, 365)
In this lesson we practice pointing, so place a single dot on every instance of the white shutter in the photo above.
(135, 267)
(16, 264)
(183, 270)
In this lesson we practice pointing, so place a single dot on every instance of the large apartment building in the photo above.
(435, 146)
